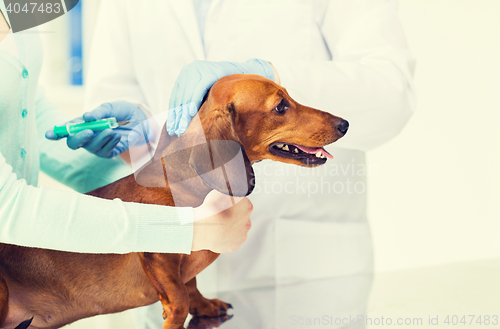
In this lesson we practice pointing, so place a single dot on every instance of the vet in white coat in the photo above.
(349, 58)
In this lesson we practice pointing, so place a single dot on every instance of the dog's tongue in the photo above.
(314, 151)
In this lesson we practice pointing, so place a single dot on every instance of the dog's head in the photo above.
(248, 118)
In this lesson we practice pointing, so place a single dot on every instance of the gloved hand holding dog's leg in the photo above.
(219, 225)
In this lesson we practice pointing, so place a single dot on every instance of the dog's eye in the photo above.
(282, 107)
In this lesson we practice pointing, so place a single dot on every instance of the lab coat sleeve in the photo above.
(111, 76)
(369, 79)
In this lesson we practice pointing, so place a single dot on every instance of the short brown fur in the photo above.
(57, 288)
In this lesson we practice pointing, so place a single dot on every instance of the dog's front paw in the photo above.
(203, 307)
(208, 323)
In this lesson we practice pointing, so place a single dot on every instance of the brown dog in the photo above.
(242, 112)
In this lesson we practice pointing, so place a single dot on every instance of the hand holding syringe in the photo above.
(107, 131)
(71, 129)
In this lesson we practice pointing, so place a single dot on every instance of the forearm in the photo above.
(62, 220)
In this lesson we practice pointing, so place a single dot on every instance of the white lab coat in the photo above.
(347, 57)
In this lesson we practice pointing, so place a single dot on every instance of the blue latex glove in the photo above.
(196, 79)
(110, 142)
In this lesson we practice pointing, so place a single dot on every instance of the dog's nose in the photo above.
(343, 126)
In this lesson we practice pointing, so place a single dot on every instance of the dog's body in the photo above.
(57, 288)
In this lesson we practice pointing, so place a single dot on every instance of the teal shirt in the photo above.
(46, 218)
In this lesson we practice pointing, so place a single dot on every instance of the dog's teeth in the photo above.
(295, 150)
(318, 155)
(279, 145)
(285, 148)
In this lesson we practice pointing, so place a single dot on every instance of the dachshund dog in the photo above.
(242, 114)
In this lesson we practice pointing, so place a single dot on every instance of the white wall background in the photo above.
(435, 197)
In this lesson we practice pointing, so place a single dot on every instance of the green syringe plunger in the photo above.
(72, 128)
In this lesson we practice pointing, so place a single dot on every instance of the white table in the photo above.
(412, 298)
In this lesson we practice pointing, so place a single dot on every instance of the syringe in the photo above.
(72, 128)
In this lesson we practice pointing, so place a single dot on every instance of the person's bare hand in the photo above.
(219, 224)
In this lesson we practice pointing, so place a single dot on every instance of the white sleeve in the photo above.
(111, 74)
(369, 79)
(65, 220)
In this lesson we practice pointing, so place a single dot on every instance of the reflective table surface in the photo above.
(460, 295)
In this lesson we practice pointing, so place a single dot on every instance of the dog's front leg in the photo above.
(201, 306)
(163, 271)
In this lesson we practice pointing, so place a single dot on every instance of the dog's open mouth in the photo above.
(308, 155)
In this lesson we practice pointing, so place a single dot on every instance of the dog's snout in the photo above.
(343, 126)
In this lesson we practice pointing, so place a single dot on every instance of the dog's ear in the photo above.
(222, 162)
